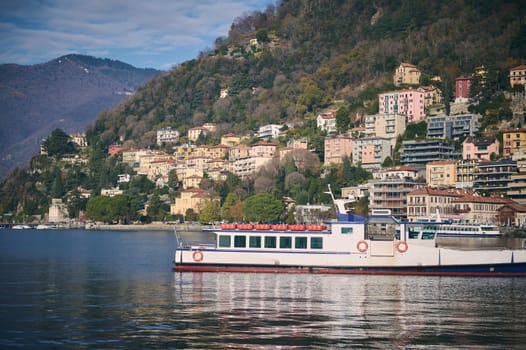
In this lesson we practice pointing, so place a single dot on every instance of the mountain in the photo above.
(67, 93)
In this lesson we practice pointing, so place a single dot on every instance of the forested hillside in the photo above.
(308, 56)
(313, 53)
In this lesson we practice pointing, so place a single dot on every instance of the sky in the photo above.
(146, 34)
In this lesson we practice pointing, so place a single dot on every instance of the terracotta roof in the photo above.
(439, 192)
(515, 206)
(521, 67)
(479, 199)
(442, 162)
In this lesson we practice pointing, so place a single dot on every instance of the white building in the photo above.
(167, 135)
(269, 131)
(58, 212)
(327, 122)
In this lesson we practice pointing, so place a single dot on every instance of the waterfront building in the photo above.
(466, 169)
(517, 185)
(426, 202)
(391, 193)
(493, 178)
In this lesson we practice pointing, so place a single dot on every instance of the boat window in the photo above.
(240, 241)
(428, 235)
(254, 242)
(224, 241)
(346, 230)
(316, 243)
(270, 242)
(300, 243)
(413, 232)
(285, 242)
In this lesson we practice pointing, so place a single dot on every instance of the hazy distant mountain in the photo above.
(67, 92)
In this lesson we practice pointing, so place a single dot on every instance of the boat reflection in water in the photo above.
(379, 244)
(247, 310)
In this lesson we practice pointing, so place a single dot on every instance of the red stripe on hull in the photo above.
(306, 270)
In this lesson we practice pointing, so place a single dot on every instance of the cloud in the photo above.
(152, 33)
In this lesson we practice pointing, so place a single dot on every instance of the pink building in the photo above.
(462, 86)
(480, 148)
(406, 102)
(336, 148)
(263, 149)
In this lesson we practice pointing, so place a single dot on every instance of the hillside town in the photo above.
(483, 182)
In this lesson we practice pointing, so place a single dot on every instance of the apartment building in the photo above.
(384, 125)
(493, 178)
(370, 152)
(406, 102)
(391, 193)
(517, 185)
(337, 147)
(269, 131)
(452, 127)
(442, 173)
(514, 144)
(466, 169)
(419, 153)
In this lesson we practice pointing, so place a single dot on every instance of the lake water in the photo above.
(101, 289)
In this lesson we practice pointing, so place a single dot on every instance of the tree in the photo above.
(342, 120)
(58, 143)
(230, 201)
(173, 180)
(210, 213)
(262, 207)
(157, 209)
(262, 36)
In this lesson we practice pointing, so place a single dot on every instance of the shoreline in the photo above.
(146, 227)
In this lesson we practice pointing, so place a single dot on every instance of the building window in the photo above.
(300, 243)
(270, 242)
(224, 241)
(240, 241)
(316, 242)
(254, 242)
(285, 242)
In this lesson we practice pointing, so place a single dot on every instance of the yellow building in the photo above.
(406, 74)
(425, 202)
(230, 139)
(514, 144)
(193, 198)
(441, 173)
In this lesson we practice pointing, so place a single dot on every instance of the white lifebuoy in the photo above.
(402, 246)
(197, 256)
(362, 246)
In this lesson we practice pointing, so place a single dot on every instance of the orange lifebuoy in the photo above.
(362, 246)
(402, 246)
(197, 256)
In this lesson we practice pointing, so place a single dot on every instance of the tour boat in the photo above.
(379, 244)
